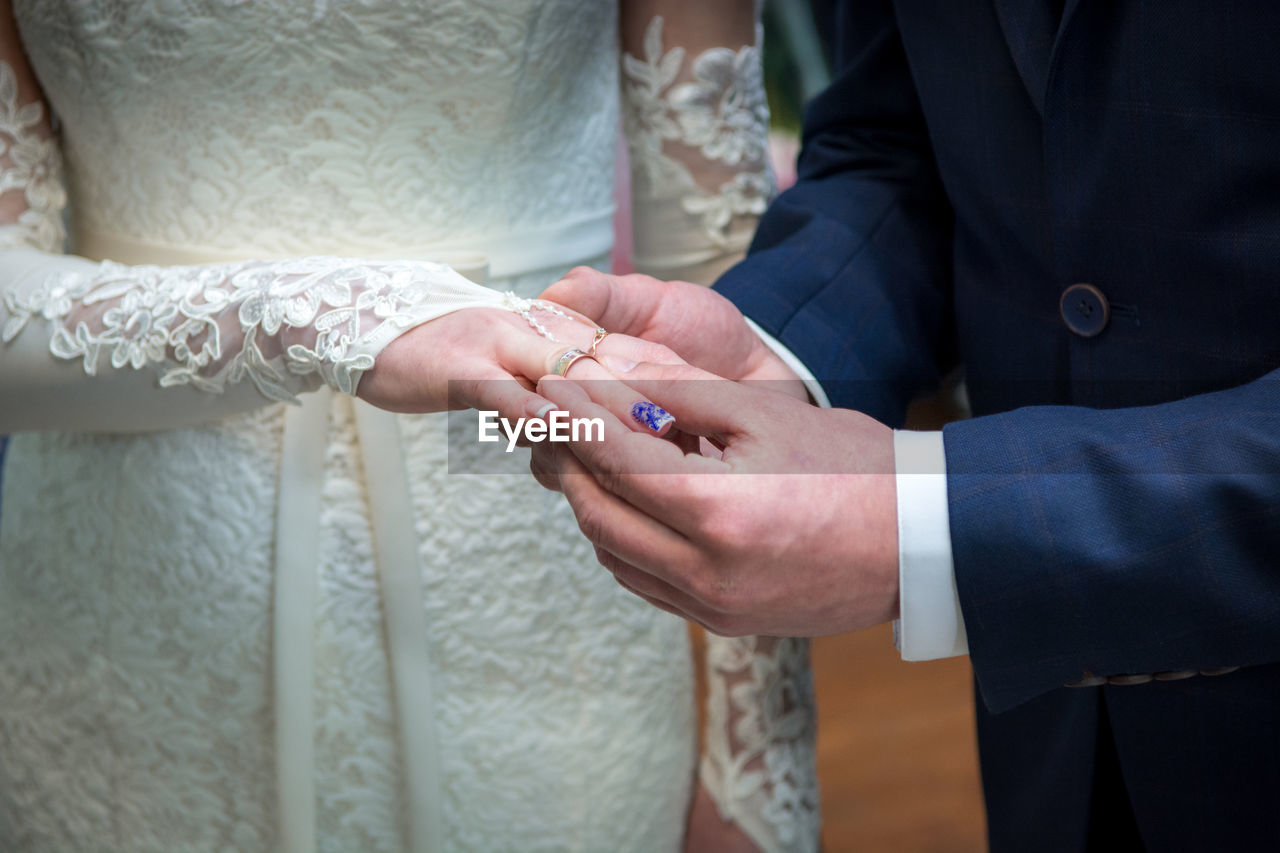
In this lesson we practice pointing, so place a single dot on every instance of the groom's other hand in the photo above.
(792, 532)
(698, 324)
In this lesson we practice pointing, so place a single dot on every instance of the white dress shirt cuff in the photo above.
(797, 366)
(931, 625)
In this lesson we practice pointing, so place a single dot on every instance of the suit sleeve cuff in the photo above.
(797, 366)
(930, 625)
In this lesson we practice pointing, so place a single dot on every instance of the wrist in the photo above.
(872, 542)
(883, 557)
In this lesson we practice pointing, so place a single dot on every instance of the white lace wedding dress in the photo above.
(231, 624)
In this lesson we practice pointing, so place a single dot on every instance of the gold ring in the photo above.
(566, 360)
(601, 334)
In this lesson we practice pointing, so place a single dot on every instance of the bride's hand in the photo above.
(478, 358)
(709, 833)
(490, 358)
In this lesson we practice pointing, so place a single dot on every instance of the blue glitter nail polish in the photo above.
(651, 416)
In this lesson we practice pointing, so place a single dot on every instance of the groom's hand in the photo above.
(792, 532)
(698, 324)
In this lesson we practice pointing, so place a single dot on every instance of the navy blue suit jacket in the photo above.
(1115, 503)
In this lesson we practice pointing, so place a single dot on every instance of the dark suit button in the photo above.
(1125, 680)
(1219, 670)
(1175, 674)
(1084, 309)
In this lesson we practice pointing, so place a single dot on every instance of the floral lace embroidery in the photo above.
(262, 127)
(30, 163)
(722, 113)
(759, 761)
(331, 315)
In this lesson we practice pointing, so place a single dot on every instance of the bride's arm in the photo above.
(697, 124)
(758, 755)
(87, 346)
(697, 132)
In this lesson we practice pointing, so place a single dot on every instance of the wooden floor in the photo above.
(897, 760)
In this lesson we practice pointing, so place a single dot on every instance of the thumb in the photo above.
(618, 303)
(702, 403)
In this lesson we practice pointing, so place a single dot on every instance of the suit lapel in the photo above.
(1031, 28)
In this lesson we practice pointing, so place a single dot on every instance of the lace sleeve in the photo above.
(241, 334)
(758, 762)
(697, 134)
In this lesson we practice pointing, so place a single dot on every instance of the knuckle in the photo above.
(545, 478)
(709, 588)
(580, 273)
(619, 569)
(721, 530)
(609, 469)
(610, 479)
(467, 388)
(591, 522)
(660, 354)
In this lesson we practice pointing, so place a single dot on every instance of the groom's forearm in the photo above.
(1129, 543)
(850, 268)
(868, 313)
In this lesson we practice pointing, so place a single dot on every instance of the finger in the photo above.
(656, 602)
(618, 303)
(490, 388)
(703, 403)
(616, 526)
(611, 448)
(640, 518)
(563, 322)
(631, 408)
(661, 605)
(657, 592)
(525, 353)
(621, 352)
(542, 466)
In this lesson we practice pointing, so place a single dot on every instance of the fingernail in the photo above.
(651, 416)
(613, 364)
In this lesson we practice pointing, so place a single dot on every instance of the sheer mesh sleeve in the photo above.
(758, 761)
(97, 346)
(696, 123)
